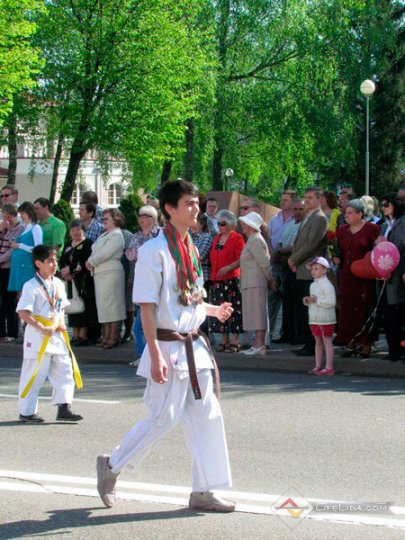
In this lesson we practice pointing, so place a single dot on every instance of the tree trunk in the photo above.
(56, 163)
(217, 184)
(166, 171)
(189, 157)
(71, 174)
(12, 150)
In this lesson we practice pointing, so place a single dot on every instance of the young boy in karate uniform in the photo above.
(47, 351)
(169, 288)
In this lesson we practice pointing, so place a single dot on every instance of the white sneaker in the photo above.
(248, 351)
(106, 481)
(209, 502)
(256, 351)
(135, 363)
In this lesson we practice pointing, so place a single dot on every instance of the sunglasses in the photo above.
(222, 223)
(3, 195)
(144, 215)
(385, 205)
(245, 207)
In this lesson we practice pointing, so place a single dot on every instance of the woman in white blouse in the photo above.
(109, 277)
(22, 268)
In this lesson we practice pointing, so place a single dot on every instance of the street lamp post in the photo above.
(228, 175)
(367, 88)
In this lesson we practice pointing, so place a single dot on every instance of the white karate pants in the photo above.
(58, 369)
(174, 402)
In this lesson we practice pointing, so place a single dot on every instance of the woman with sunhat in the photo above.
(255, 278)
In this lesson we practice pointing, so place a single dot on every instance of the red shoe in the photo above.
(325, 371)
(314, 371)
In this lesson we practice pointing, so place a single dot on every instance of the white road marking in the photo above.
(77, 400)
(255, 503)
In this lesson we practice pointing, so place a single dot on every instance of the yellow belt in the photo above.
(41, 352)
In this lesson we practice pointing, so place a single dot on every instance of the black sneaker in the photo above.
(65, 413)
(32, 418)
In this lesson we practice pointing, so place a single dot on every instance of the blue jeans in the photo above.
(140, 341)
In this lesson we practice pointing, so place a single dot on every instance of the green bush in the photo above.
(130, 206)
(63, 211)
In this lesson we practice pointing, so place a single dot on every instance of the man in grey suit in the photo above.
(310, 242)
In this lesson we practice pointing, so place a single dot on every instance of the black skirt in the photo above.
(226, 291)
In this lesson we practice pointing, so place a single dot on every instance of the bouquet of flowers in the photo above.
(332, 245)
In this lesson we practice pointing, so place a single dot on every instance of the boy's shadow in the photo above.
(64, 521)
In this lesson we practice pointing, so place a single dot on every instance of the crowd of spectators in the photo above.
(258, 267)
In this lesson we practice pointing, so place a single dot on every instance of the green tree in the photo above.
(287, 100)
(119, 76)
(19, 60)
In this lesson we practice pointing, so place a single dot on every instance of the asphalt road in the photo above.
(295, 441)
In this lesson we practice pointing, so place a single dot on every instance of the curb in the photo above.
(278, 359)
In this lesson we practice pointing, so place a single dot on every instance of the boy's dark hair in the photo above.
(172, 191)
(41, 253)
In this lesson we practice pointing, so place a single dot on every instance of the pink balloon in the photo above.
(385, 258)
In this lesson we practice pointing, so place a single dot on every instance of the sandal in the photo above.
(222, 347)
(325, 371)
(231, 348)
(314, 371)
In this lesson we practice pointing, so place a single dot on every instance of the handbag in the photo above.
(76, 305)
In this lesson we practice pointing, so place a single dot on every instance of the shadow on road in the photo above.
(63, 521)
(245, 383)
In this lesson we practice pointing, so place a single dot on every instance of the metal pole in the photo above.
(367, 187)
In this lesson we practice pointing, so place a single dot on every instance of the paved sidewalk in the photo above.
(279, 358)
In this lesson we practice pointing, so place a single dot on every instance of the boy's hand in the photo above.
(224, 311)
(47, 330)
(159, 370)
(61, 328)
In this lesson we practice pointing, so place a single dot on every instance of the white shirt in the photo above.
(323, 312)
(34, 300)
(155, 283)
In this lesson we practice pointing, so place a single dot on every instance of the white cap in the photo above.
(319, 260)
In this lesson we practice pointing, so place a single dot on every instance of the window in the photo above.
(77, 193)
(114, 194)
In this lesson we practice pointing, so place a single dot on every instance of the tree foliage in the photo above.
(120, 76)
(19, 60)
(268, 88)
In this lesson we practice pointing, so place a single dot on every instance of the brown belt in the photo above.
(187, 338)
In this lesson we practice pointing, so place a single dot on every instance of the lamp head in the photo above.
(367, 88)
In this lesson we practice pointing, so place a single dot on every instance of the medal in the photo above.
(50, 295)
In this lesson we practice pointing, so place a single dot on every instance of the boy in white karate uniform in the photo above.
(47, 350)
(168, 286)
